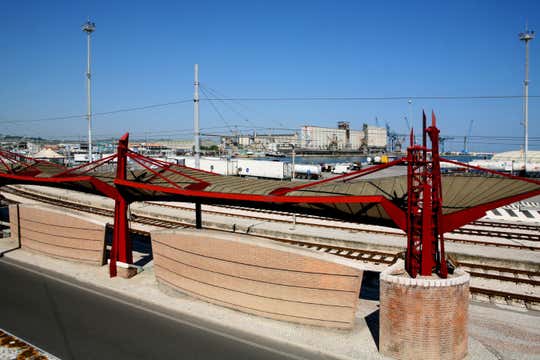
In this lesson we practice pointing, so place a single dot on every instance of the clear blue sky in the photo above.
(144, 51)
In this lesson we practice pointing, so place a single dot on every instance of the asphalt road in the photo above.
(72, 322)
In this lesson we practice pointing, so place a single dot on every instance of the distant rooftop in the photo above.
(517, 155)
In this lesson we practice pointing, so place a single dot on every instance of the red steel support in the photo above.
(121, 246)
(424, 207)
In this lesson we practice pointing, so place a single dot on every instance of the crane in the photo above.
(408, 123)
(466, 138)
(442, 140)
(393, 140)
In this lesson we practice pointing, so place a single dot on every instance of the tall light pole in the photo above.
(89, 28)
(196, 118)
(526, 36)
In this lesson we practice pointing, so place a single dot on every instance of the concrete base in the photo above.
(423, 317)
(126, 271)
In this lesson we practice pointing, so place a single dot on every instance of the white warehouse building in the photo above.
(322, 138)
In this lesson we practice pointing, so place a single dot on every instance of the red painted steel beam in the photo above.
(346, 177)
(494, 172)
(459, 218)
(92, 165)
(394, 212)
(121, 245)
(165, 166)
(17, 158)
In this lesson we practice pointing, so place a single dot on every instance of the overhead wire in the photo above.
(216, 109)
(378, 98)
(83, 116)
(231, 108)
(222, 98)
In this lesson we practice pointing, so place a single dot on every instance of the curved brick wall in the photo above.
(257, 276)
(424, 318)
(59, 234)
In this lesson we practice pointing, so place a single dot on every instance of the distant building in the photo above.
(375, 138)
(262, 141)
(371, 138)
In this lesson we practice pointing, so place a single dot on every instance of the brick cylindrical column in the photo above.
(425, 317)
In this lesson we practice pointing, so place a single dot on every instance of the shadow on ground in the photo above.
(369, 290)
(142, 246)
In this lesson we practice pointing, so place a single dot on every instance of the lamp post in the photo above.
(526, 36)
(89, 28)
(197, 131)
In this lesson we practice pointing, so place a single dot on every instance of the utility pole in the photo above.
(196, 119)
(89, 28)
(293, 162)
(526, 36)
(198, 210)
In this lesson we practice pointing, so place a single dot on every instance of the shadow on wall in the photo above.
(142, 246)
(369, 290)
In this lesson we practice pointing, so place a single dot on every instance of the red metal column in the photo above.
(424, 207)
(437, 201)
(121, 246)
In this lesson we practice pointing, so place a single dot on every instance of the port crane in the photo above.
(442, 141)
(467, 138)
(394, 141)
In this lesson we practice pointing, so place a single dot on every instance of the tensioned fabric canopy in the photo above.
(350, 197)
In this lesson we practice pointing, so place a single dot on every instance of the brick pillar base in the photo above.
(425, 317)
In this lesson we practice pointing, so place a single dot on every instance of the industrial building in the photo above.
(369, 139)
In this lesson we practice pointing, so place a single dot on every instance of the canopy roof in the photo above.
(349, 197)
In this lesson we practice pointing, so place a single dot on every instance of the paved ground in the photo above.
(496, 332)
(74, 323)
(149, 297)
(506, 332)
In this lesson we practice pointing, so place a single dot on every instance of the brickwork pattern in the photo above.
(258, 278)
(58, 234)
(423, 318)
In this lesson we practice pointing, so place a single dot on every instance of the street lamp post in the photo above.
(526, 36)
(89, 28)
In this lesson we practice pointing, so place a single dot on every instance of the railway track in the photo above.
(499, 234)
(505, 225)
(337, 225)
(481, 271)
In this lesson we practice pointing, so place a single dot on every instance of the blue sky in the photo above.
(144, 51)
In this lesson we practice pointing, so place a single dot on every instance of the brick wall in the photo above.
(421, 318)
(257, 276)
(58, 234)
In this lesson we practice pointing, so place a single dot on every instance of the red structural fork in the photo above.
(24, 161)
(140, 159)
(344, 177)
(121, 244)
(425, 241)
